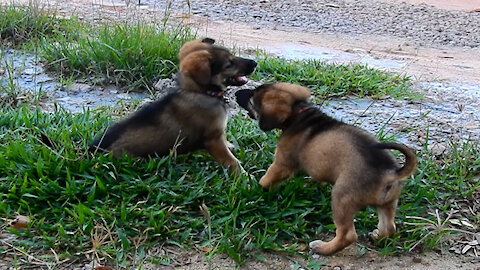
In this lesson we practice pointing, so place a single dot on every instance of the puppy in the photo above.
(363, 171)
(191, 117)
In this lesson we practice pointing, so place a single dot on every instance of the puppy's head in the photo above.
(272, 104)
(211, 65)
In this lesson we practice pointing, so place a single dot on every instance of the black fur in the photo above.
(312, 119)
(145, 116)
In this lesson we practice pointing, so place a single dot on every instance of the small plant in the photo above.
(435, 228)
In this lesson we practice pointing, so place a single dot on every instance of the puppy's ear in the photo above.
(196, 65)
(208, 40)
(298, 92)
(276, 108)
(194, 45)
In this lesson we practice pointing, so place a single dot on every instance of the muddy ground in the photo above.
(448, 76)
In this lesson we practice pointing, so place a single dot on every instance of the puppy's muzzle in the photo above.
(247, 67)
(244, 99)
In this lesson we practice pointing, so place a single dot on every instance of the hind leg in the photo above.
(386, 220)
(344, 210)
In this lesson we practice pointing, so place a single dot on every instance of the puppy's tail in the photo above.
(410, 158)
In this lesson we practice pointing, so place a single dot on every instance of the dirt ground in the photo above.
(465, 5)
(451, 64)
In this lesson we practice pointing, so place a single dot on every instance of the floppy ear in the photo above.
(196, 65)
(276, 108)
(194, 45)
(298, 92)
(208, 40)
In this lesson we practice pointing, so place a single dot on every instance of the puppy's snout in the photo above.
(251, 65)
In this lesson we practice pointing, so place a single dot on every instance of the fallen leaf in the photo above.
(466, 248)
(302, 247)
(20, 222)
(103, 268)
(473, 243)
(467, 223)
(206, 249)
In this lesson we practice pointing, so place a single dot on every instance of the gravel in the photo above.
(422, 24)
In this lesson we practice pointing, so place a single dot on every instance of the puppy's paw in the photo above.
(375, 234)
(230, 145)
(317, 246)
(237, 169)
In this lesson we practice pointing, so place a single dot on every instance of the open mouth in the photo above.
(237, 80)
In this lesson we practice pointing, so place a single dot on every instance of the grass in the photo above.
(329, 80)
(131, 56)
(25, 24)
(135, 56)
(80, 202)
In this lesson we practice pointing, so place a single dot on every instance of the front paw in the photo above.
(375, 235)
(317, 247)
(237, 169)
(265, 183)
(230, 145)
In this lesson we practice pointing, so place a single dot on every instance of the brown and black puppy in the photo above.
(186, 119)
(364, 172)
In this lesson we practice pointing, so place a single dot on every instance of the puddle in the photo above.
(28, 76)
(303, 52)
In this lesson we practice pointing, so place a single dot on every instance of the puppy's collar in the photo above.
(216, 94)
(292, 117)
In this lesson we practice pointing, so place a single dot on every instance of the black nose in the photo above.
(252, 64)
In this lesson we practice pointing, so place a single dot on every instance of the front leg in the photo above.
(276, 173)
(218, 148)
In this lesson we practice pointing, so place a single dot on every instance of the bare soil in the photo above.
(452, 64)
(464, 5)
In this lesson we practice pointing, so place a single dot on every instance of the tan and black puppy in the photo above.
(364, 172)
(189, 118)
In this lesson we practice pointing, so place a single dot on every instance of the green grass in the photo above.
(131, 56)
(24, 24)
(135, 56)
(69, 194)
(329, 80)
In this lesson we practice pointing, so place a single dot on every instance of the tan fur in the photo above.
(189, 118)
(336, 155)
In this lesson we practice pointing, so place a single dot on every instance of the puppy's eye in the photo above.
(229, 65)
